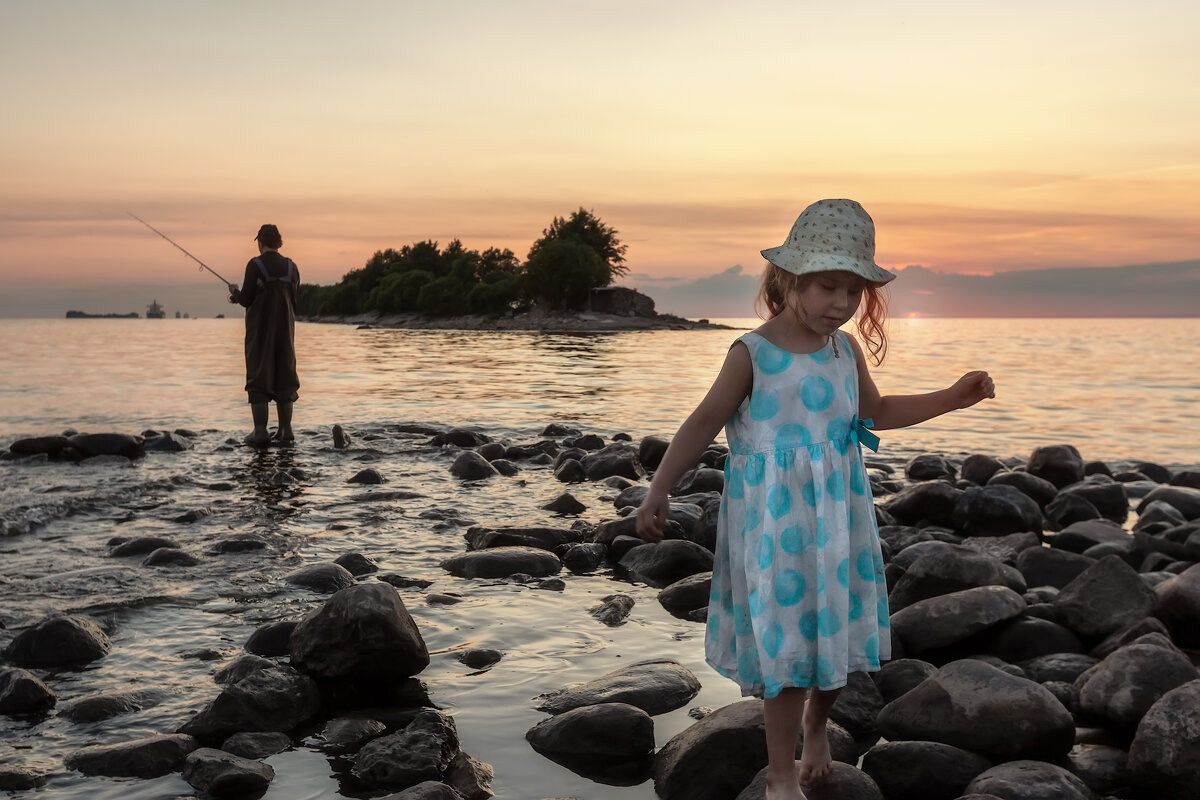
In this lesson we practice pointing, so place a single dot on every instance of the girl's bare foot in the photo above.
(784, 789)
(258, 438)
(815, 761)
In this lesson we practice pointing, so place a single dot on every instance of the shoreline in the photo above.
(543, 321)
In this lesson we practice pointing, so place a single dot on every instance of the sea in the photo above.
(1122, 391)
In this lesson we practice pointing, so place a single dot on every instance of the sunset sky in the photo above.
(982, 137)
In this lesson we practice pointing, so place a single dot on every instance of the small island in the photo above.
(85, 315)
(564, 284)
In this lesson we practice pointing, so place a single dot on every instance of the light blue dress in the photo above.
(798, 592)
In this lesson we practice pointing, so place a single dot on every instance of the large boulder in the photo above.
(363, 631)
(922, 770)
(996, 511)
(1106, 597)
(1030, 637)
(663, 563)
(67, 641)
(1165, 754)
(618, 458)
(1040, 490)
(421, 751)
(844, 782)
(22, 692)
(1078, 537)
(655, 686)
(275, 698)
(1050, 566)
(930, 502)
(219, 774)
(606, 731)
(481, 538)
(325, 578)
(148, 757)
(1179, 606)
(942, 621)
(719, 755)
(947, 568)
(1124, 686)
(1031, 780)
(1108, 496)
(1059, 464)
(1024, 719)
(501, 562)
(1183, 499)
(109, 444)
(687, 594)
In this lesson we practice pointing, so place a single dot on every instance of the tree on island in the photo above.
(575, 255)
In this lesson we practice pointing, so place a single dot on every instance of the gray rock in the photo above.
(480, 657)
(241, 667)
(149, 757)
(1040, 490)
(1158, 511)
(659, 565)
(922, 770)
(482, 538)
(996, 511)
(259, 744)
(1183, 499)
(701, 479)
(1029, 637)
(348, 734)
(106, 705)
(902, 675)
(470, 466)
(1069, 508)
(929, 467)
(687, 594)
(326, 578)
(1060, 464)
(369, 476)
(619, 458)
(363, 631)
(843, 783)
(651, 450)
(501, 562)
(167, 442)
(1165, 754)
(1048, 566)
(271, 639)
(1078, 537)
(857, 707)
(22, 692)
(584, 558)
(942, 621)
(276, 698)
(719, 755)
(140, 545)
(609, 731)
(1108, 496)
(1031, 780)
(357, 564)
(426, 790)
(109, 444)
(947, 568)
(565, 503)
(169, 557)
(421, 751)
(1025, 720)
(471, 778)
(1057, 667)
(1124, 686)
(1104, 598)
(459, 437)
(979, 469)
(1005, 548)
(655, 686)
(1104, 769)
(221, 774)
(932, 501)
(68, 641)
(1128, 636)
(51, 446)
(1179, 606)
(613, 609)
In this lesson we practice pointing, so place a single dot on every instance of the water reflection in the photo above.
(272, 476)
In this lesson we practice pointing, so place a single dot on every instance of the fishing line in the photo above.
(172, 241)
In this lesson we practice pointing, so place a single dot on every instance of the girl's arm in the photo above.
(727, 393)
(902, 410)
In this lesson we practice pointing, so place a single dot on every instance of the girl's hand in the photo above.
(652, 517)
(971, 388)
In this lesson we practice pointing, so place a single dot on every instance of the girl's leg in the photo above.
(261, 437)
(815, 761)
(284, 434)
(782, 715)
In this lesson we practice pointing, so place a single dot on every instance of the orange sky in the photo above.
(981, 138)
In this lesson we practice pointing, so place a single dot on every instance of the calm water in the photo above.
(1123, 389)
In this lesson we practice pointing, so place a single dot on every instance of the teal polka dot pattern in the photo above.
(797, 567)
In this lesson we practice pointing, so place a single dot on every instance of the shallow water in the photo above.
(1089, 382)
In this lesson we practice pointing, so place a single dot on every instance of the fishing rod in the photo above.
(172, 241)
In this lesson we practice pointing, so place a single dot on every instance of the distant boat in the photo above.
(85, 315)
(155, 311)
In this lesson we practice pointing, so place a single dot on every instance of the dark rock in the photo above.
(1060, 464)
(341, 439)
(470, 466)
(482, 538)
(20, 777)
(1104, 598)
(701, 479)
(167, 442)
(1005, 548)
(844, 782)
(169, 557)
(348, 735)
(618, 458)
(221, 774)
(1030, 637)
(946, 568)
(363, 631)
(1031, 780)
(68, 641)
(1049, 566)
(655, 686)
(719, 755)
(271, 639)
(922, 770)
(275, 698)
(565, 503)
(426, 790)
(1069, 507)
(492, 450)
(979, 469)
(244, 543)
(587, 441)
(1128, 635)
(929, 467)
(326, 578)
(942, 621)
(1124, 685)
(1057, 667)
(505, 467)
(51, 446)
(369, 476)
(421, 751)
(1179, 606)
(240, 667)
(105, 705)
(1184, 499)
(1189, 478)
(150, 757)
(1025, 720)
(902, 675)
(1042, 491)
(257, 745)
(857, 707)
(1107, 495)
(614, 609)
(480, 657)
(1158, 511)
(501, 562)
(1078, 537)
(1165, 754)
(459, 437)
(109, 444)
(471, 778)
(651, 450)
(357, 564)
(659, 565)
(139, 546)
(996, 511)
(1101, 767)
(610, 731)
(22, 692)
(687, 594)
(931, 501)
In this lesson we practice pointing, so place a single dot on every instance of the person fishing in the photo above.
(268, 293)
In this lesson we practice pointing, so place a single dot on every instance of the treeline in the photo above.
(574, 255)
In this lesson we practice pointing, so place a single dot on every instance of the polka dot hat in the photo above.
(831, 235)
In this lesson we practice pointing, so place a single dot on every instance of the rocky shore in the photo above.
(537, 320)
(1045, 615)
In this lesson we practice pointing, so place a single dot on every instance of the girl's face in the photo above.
(827, 300)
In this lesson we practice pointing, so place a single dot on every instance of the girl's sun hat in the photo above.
(831, 235)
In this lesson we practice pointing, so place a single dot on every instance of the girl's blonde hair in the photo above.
(778, 285)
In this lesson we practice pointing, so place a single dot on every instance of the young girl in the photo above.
(798, 595)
